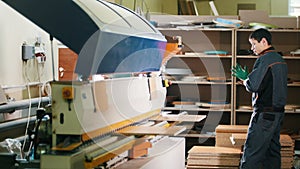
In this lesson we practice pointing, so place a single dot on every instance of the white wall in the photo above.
(14, 30)
(229, 7)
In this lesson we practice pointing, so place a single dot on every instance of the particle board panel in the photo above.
(209, 167)
(239, 134)
(285, 140)
(209, 150)
(201, 155)
(231, 129)
(152, 130)
(234, 140)
(239, 139)
(214, 161)
(223, 140)
(213, 157)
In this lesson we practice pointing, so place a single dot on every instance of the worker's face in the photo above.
(257, 47)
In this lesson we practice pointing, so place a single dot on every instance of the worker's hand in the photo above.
(239, 72)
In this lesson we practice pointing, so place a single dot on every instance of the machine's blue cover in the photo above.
(100, 51)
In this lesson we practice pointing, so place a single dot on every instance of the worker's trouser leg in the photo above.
(262, 146)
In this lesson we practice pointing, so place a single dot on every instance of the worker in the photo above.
(268, 84)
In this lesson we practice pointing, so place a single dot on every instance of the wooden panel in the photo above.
(210, 156)
(215, 151)
(215, 161)
(152, 130)
(210, 167)
(67, 61)
(232, 129)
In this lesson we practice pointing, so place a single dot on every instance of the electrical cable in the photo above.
(29, 109)
(39, 80)
(28, 117)
(46, 90)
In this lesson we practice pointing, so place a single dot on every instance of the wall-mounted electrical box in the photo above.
(27, 52)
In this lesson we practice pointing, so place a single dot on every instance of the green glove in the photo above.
(239, 72)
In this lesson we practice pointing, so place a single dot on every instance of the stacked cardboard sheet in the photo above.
(213, 157)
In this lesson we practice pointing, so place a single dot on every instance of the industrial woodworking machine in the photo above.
(104, 122)
(88, 119)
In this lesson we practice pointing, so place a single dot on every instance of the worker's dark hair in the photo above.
(261, 33)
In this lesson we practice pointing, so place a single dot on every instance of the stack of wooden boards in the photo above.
(213, 157)
(228, 149)
(234, 136)
(287, 151)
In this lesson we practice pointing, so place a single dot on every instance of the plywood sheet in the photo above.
(214, 150)
(214, 161)
(224, 140)
(231, 129)
(209, 167)
(152, 130)
(226, 131)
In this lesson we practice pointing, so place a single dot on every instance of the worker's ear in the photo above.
(264, 41)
